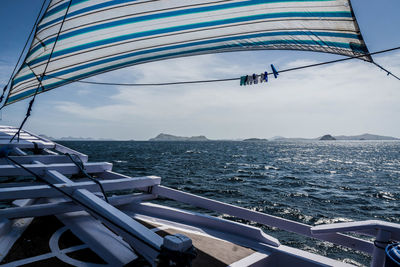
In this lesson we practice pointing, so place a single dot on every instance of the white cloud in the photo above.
(346, 98)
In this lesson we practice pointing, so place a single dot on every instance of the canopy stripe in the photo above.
(103, 35)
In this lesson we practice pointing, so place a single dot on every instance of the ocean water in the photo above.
(312, 182)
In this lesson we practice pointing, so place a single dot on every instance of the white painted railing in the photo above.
(382, 231)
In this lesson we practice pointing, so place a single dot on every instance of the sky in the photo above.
(348, 98)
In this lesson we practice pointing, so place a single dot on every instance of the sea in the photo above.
(313, 182)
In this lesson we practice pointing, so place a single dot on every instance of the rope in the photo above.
(82, 204)
(388, 72)
(81, 168)
(233, 79)
(40, 79)
(183, 82)
(28, 113)
(22, 52)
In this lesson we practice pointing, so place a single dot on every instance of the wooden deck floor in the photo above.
(33, 249)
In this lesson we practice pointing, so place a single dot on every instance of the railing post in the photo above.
(378, 254)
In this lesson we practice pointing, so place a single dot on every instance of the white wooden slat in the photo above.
(11, 230)
(59, 177)
(266, 219)
(137, 235)
(5, 226)
(39, 137)
(354, 226)
(45, 159)
(19, 184)
(11, 133)
(129, 229)
(49, 152)
(18, 151)
(29, 140)
(62, 149)
(16, 229)
(101, 240)
(26, 138)
(65, 168)
(25, 144)
(23, 136)
(114, 175)
(364, 227)
(67, 206)
(117, 217)
(108, 175)
(36, 191)
(208, 223)
(255, 259)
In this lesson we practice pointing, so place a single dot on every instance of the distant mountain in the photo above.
(276, 138)
(46, 137)
(71, 138)
(281, 138)
(170, 137)
(327, 137)
(365, 137)
(370, 137)
(255, 140)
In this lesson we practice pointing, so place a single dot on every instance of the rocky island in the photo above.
(367, 137)
(170, 137)
(327, 137)
(255, 140)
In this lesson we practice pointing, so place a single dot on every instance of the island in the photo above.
(327, 137)
(255, 140)
(367, 137)
(170, 137)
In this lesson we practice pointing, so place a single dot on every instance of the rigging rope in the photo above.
(78, 163)
(22, 52)
(40, 79)
(234, 79)
(70, 196)
(388, 72)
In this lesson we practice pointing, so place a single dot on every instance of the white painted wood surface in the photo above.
(36, 191)
(266, 219)
(101, 240)
(65, 168)
(45, 159)
(138, 236)
(217, 225)
(11, 230)
(362, 227)
(66, 206)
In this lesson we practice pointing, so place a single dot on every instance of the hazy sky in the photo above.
(344, 98)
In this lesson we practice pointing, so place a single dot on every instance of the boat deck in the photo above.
(57, 214)
(47, 242)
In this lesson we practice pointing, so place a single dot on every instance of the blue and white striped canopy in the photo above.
(103, 35)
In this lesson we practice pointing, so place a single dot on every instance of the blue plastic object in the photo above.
(274, 71)
(393, 255)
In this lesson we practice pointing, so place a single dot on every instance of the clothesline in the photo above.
(238, 78)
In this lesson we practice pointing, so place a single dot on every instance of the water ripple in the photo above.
(310, 182)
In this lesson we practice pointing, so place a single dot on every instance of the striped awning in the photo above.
(103, 35)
